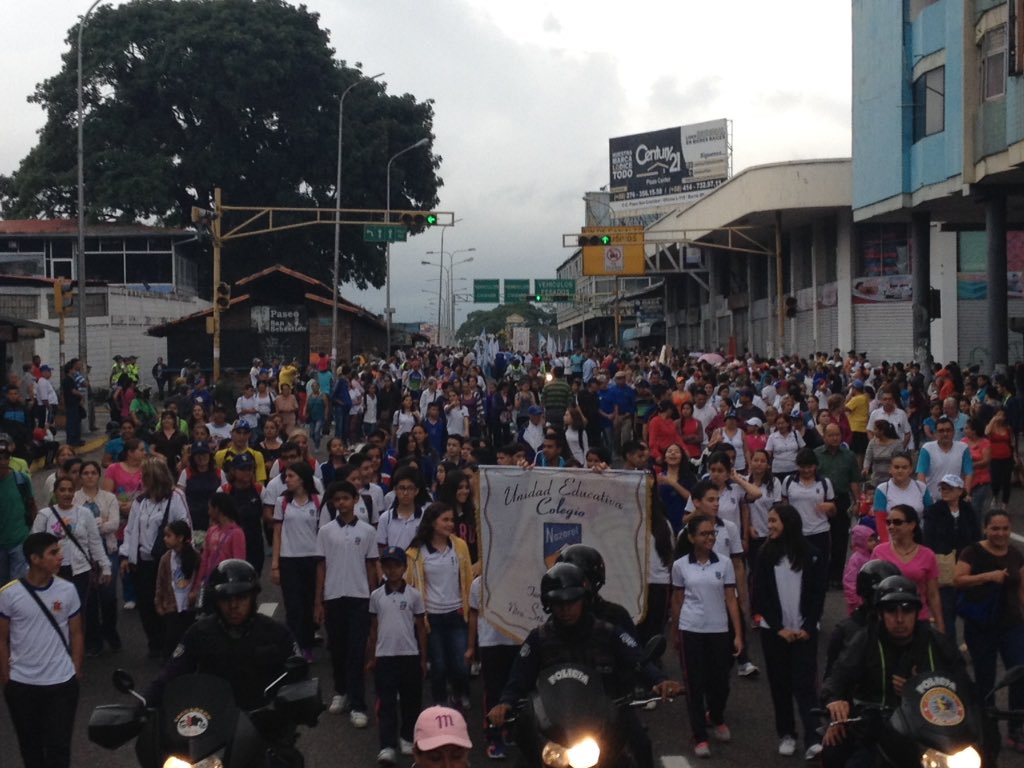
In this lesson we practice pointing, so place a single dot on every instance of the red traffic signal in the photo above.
(222, 295)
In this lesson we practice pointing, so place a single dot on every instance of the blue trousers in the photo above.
(347, 621)
(399, 683)
(446, 647)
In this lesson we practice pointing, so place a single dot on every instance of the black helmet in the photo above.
(871, 574)
(233, 577)
(896, 589)
(589, 561)
(563, 583)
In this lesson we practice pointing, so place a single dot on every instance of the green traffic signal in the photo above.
(606, 240)
(537, 297)
(431, 219)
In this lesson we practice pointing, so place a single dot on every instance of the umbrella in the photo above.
(711, 357)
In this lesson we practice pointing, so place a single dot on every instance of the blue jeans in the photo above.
(74, 424)
(316, 431)
(446, 648)
(12, 564)
(341, 421)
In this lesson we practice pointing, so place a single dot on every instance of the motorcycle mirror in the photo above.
(296, 666)
(123, 681)
(1013, 676)
(653, 649)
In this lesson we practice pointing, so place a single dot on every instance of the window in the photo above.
(930, 103)
(916, 6)
(993, 63)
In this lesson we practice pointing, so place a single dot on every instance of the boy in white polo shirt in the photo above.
(397, 650)
(345, 576)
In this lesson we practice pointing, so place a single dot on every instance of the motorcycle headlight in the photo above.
(207, 762)
(965, 758)
(585, 753)
(554, 755)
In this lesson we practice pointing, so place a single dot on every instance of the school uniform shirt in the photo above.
(760, 507)
(395, 531)
(38, 657)
(277, 469)
(275, 489)
(82, 524)
(441, 569)
(728, 541)
(144, 524)
(396, 611)
(916, 495)
(704, 586)
(805, 499)
(455, 420)
(345, 548)
(784, 449)
(486, 635)
(300, 524)
(657, 571)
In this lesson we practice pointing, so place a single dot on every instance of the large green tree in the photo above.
(494, 320)
(182, 96)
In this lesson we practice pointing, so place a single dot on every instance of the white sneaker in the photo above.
(129, 605)
(338, 704)
(358, 719)
(812, 752)
(474, 669)
(746, 669)
(387, 756)
(405, 746)
(787, 746)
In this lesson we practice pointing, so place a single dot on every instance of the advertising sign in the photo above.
(673, 166)
(528, 516)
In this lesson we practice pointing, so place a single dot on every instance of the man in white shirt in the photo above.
(703, 411)
(533, 433)
(430, 395)
(887, 411)
(944, 456)
(45, 399)
(42, 644)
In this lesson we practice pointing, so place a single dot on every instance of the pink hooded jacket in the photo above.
(861, 554)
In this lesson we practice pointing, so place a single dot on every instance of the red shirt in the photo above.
(691, 428)
(661, 433)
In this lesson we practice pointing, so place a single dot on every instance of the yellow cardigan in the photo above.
(416, 577)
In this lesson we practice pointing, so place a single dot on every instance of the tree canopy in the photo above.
(181, 96)
(495, 320)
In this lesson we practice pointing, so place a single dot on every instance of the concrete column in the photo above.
(710, 336)
(818, 247)
(995, 274)
(750, 304)
(921, 239)
(844, 280)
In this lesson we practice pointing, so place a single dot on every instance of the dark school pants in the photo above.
(792, 676)
(399, 684)
(298, 590)
(706, 659)
(43, 718)
(347, 621)
(145, 601)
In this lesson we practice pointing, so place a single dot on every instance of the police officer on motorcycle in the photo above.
(236, 643)
(573, 634)
(878, 660)
(591, 563)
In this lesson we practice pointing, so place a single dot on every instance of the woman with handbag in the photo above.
(101, 611)
(950, 524)
(989, 581)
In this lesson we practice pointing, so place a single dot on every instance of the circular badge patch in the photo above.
(940, 706)
(192, 723)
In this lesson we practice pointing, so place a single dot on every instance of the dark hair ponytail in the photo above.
(189, 556)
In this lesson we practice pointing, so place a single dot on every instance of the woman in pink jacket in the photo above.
(224, 540)
(862, 541)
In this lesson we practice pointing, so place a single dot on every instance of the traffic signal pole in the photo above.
(216, 281)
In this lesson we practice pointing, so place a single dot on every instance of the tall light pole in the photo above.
(451, 280)
(387, 248)
(337, 221)
(439, 273)
(83, 348)
(452, 264)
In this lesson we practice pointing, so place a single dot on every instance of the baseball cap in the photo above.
(796, 414)
(953, 481)
(438, 726)
(731, 415)
(753, 421)
(243, 461)
(858, 384)
(397, 554)
(45, 368)
(240, 425)
(200, 446)
(535, 410)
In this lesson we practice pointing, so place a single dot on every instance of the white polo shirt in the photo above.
(805, 499)
(37, 655)
(275, 487)
(345, 548)
(704, 586)
(487, 636)
(395, 531)
(396, 614)
(441, 572)
(300, 524)
(898, 419)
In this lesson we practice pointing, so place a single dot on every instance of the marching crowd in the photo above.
(775, 480)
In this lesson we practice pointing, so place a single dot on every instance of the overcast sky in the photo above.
(527, 95)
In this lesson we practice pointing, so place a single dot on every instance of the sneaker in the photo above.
(812, 752)
(722, 732)
(496, 751)
(359, 719)
(464, 701)
(703, 749)
(129, 605)
(787, 746)
(474, 669)
(405, 747)
(387, 756)
(338, 704)
(747, 669)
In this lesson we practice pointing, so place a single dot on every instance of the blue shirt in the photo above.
(624, 397)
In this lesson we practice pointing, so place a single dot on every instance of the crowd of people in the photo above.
(774, 481)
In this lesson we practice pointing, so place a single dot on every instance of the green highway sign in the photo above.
(516, 291)
(385, 233)
(485, 291)
(547, 288)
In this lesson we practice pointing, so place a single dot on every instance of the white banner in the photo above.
(528, 516)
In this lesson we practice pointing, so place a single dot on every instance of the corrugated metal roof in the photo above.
(69, 227)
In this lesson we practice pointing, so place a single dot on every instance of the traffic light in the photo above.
(417, 222)
(222, 296)
(536, 297)
(598, 240)
(791, 306)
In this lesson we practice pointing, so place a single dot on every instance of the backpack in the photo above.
(817, 477)
(314, 498)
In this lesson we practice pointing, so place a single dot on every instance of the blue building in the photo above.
(938, 169)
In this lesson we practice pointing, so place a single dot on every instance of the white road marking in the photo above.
(674, 761)
(267, 609)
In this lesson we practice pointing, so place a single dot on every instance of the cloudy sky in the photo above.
(527, 95)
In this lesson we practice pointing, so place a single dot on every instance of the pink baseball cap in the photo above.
(438, 726)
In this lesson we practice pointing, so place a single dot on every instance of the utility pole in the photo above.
(215, 229)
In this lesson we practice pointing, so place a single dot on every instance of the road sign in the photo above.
(485, 291)
(516, 291)
(548, 288)
(617, 250)
(385, 233)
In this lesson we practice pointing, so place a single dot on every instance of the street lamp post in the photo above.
(452, 264)
(83, 347)
(387, 247)
(451, 278)
(337, 221)
(440, 268)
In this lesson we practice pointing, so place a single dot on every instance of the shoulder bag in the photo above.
(49, 616)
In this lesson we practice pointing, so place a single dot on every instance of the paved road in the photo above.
(335, 743)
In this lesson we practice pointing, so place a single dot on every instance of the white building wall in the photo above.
(945, 331)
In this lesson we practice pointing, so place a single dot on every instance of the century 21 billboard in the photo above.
(673, 166)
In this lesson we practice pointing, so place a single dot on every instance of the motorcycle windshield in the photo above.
(938, 710)
(198, 716)
(571, 703)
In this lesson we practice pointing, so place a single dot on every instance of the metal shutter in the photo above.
(883, 330)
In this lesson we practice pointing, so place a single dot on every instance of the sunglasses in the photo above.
(894, 523)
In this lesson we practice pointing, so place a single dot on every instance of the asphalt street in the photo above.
(334, 742)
